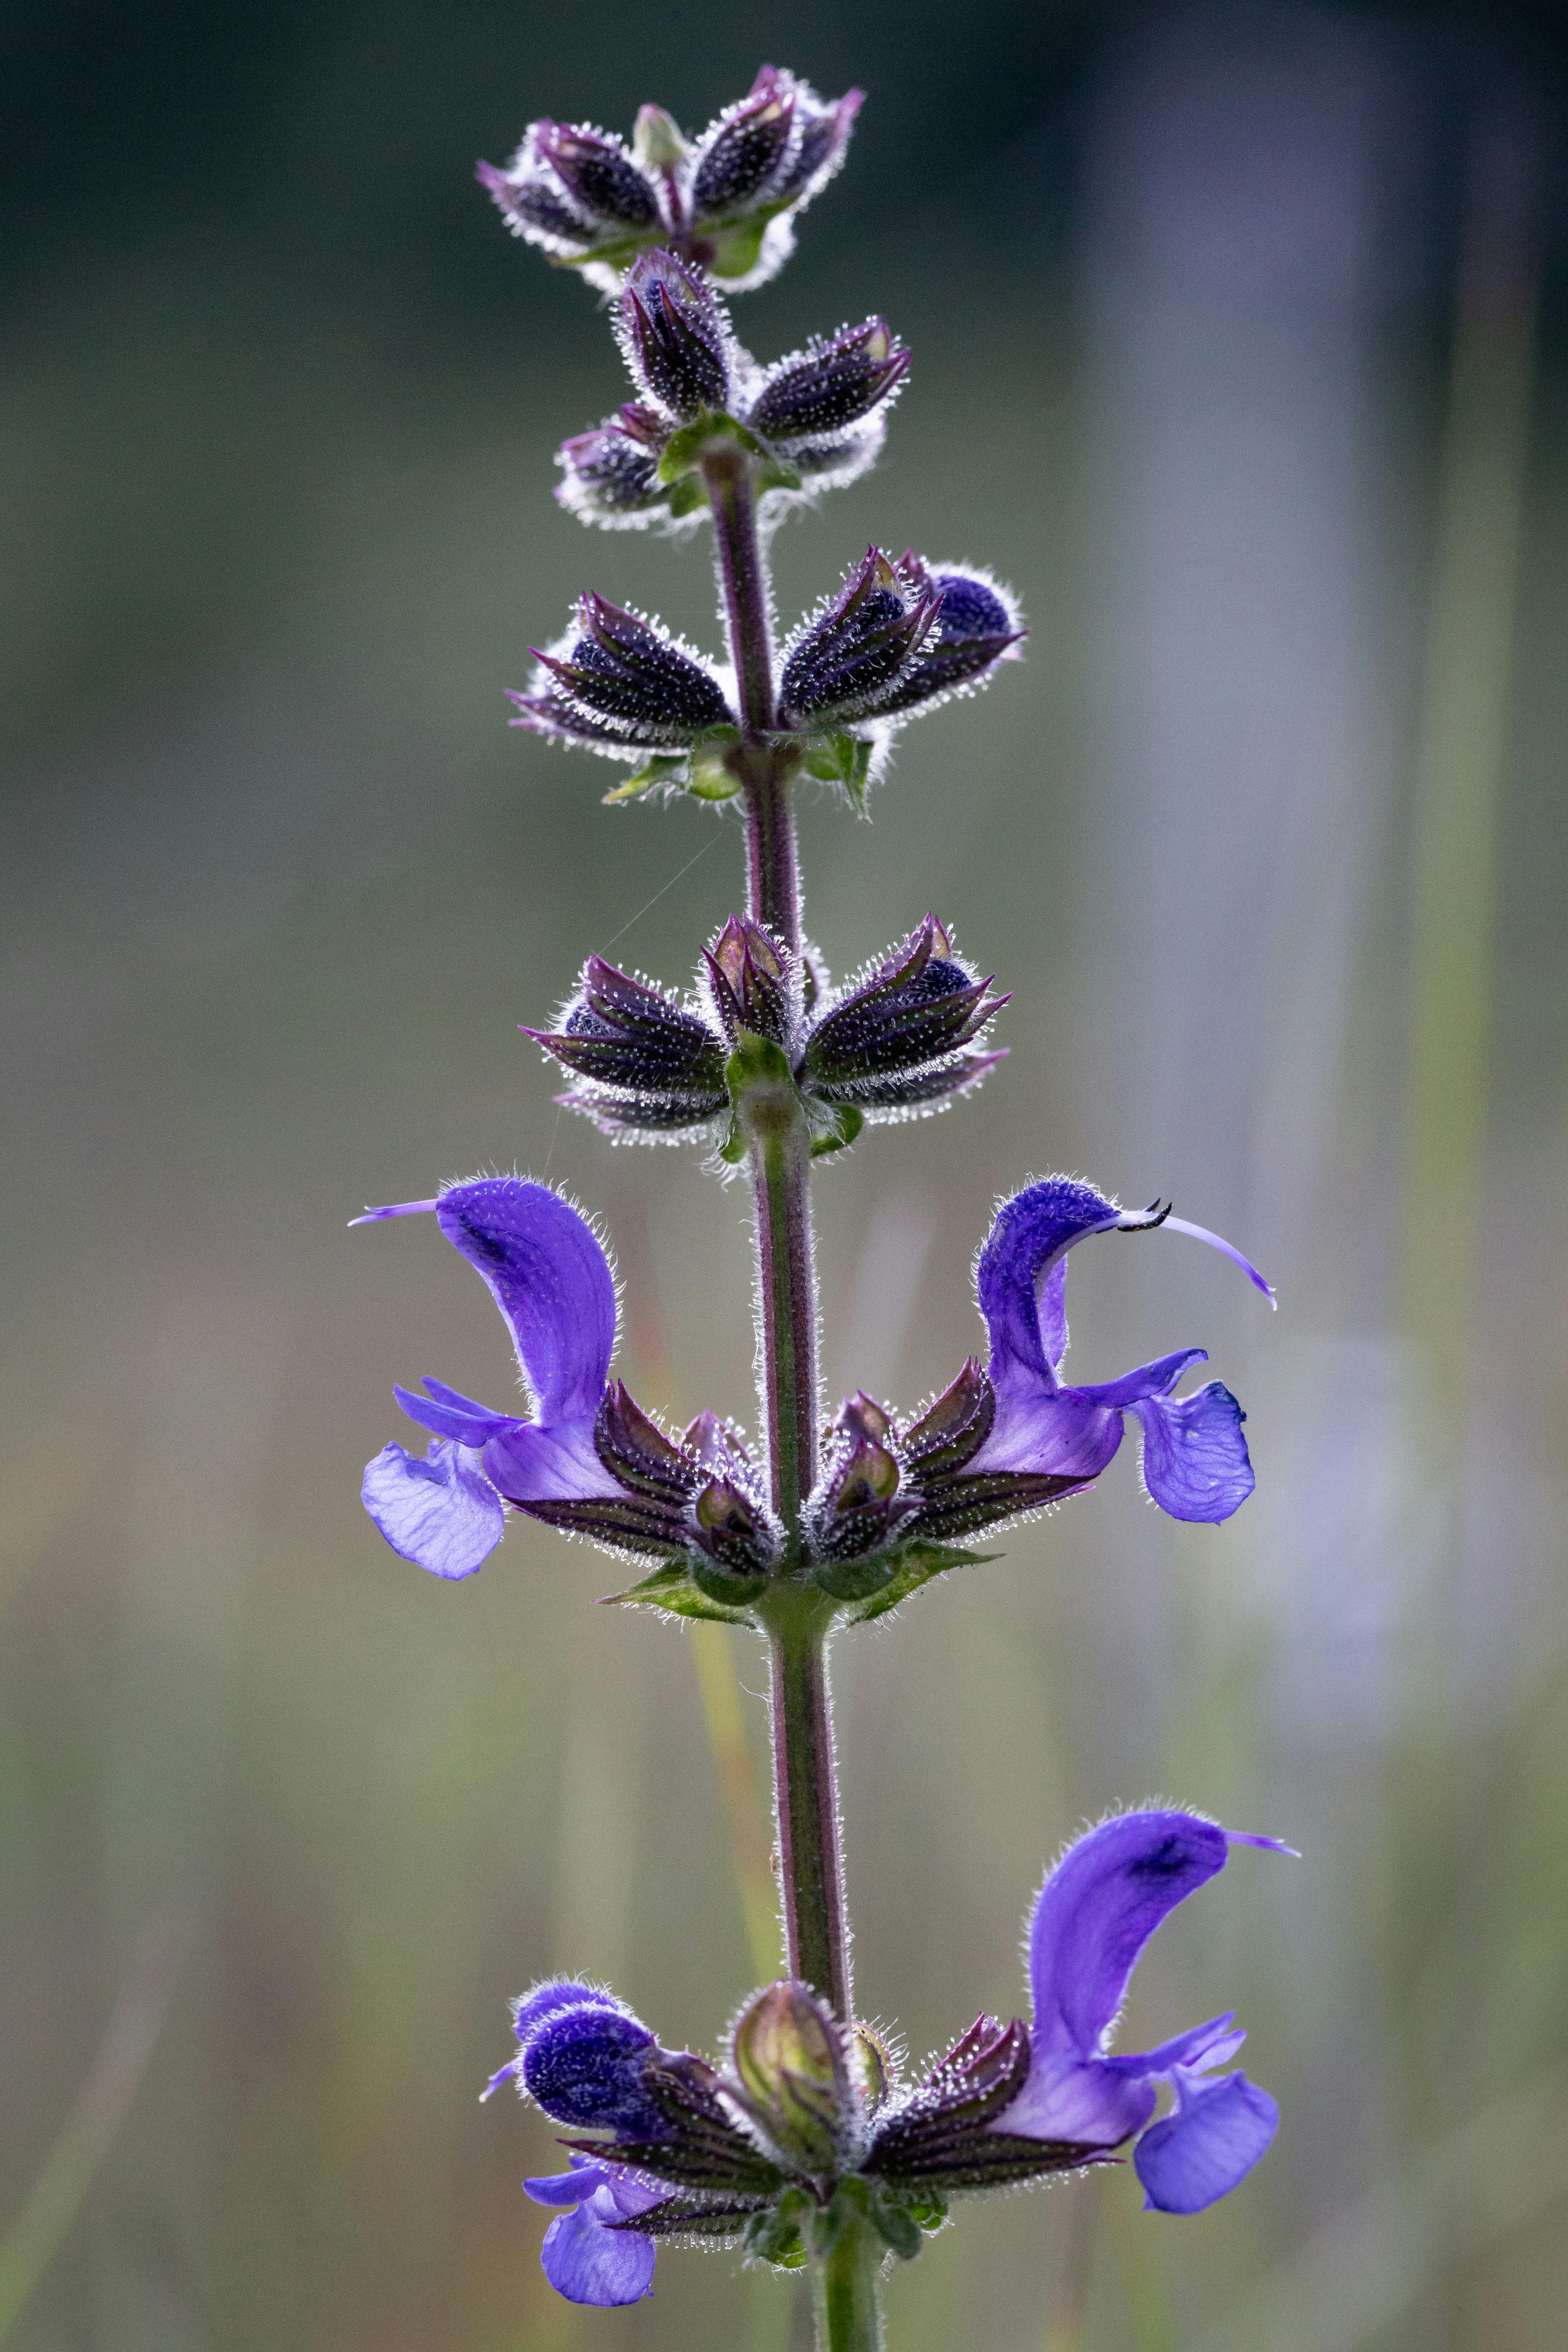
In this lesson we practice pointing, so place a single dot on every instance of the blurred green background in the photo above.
(1239, 350)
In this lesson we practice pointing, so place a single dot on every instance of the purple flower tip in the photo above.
(401, 1209)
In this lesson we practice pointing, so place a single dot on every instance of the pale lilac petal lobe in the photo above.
(1266, 1844)
(551, 1281)
(573, 2187)
(1226, 1249)
(1195, 1461)
(1099, 1909)
(588, 2263)
(1152, 1379)
(1201, 2045)
(1212, 2140)
(471, 1428)
(443, 1513)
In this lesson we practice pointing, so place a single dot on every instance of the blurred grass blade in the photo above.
(1464, 736)
(100, 2106)
(750, 1840)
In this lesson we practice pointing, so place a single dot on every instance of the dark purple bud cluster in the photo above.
(899, 1041)
(620, 684)
(896, 639)
(903, 1038)
(812, 420)
(725, 200)
(641, 1061)
(676, 338)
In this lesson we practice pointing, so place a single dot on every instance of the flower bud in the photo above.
(745, 149)
(656, 142)
(674, 335)
(612, 477)
(789, 2056)
(849, 657)
(976, 626)
(749, 977)
(622, 668)
(597, 173)
(832, 385)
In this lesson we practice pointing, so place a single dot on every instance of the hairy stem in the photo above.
(846, 2295)
(805, 1792)
(805, 1799)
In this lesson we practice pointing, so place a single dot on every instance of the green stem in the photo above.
(806, 1795)
(846, 2293)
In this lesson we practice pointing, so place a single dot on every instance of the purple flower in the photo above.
(589, 1461)
(675, 336)
(675, 2156)
(621, 686)
(1196, 1463)
(1095, 1914)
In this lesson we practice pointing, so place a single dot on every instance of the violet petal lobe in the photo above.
(588, 2262)
(1212, 2141)
(551, 1281)
(1099, 1909)
(1196, 1463)
(1031, 1233)
(584, 2066)
(442, 1513)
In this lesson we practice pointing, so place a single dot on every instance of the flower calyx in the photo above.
(941, 2136)
(794, 2079)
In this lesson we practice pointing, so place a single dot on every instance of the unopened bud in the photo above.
(789, 2057)
(656, 142)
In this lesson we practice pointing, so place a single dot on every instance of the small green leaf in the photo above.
(666, 768)
(773, 473)
(672, 1589)
(686, 495)
(897, 2227)
(736, 250)
(734, 1592)
(775, 2236)
(841, 759)
(842, 1130)
(855, 1580)
(914, 1565)
(710, 778)
(685, 449)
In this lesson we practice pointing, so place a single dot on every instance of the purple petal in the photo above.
(442, 1513)
(586, 2263)
(1099, 1909)
(573, 2187)
(1154, 1380)
(555, 1994)
(1053, 1433)
(551, 1280)
(1200, 2046)
(584, 2066)
(1212, 2140)
(1031, 1233)
(470, 1427)
(1196, 1463)
(541, 1465)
